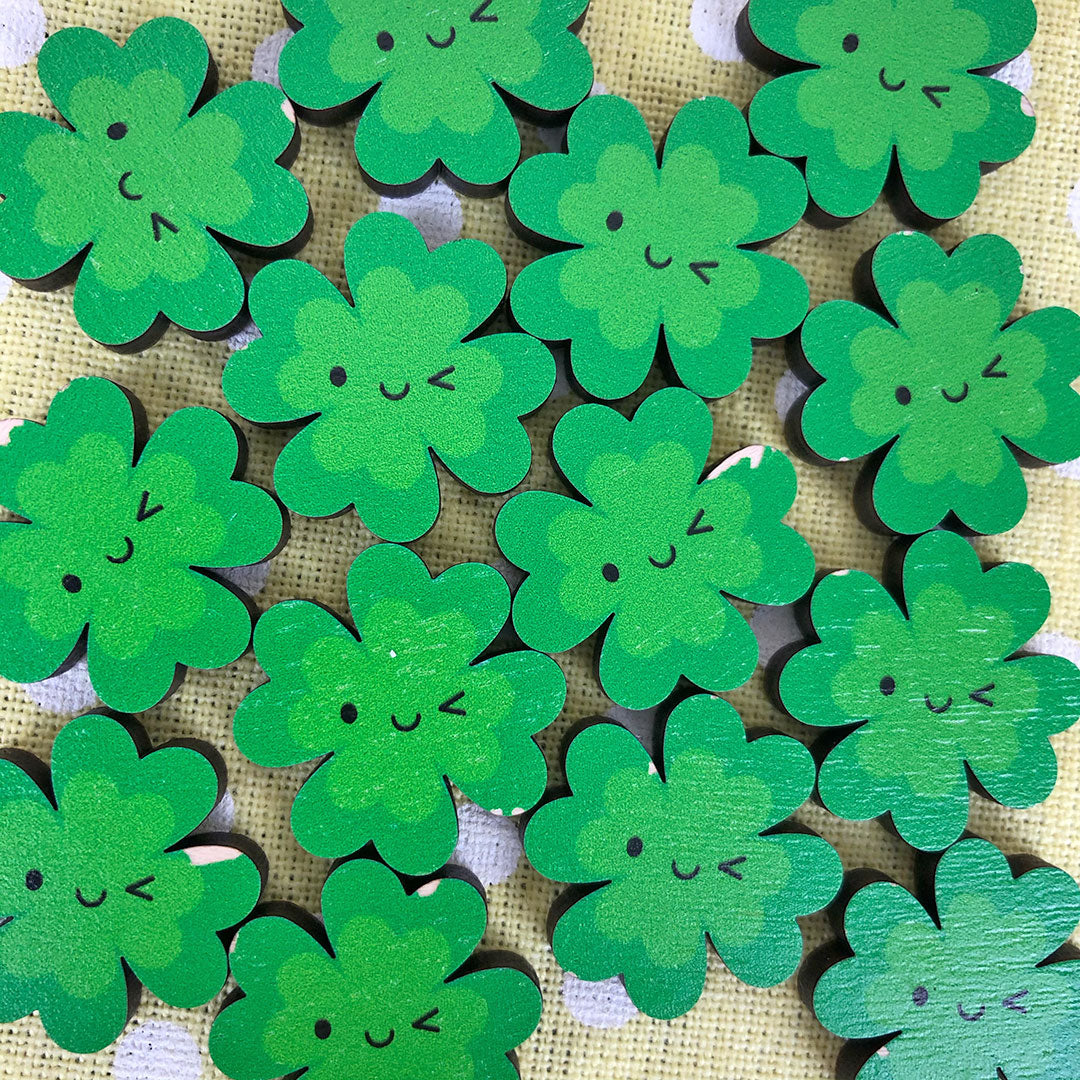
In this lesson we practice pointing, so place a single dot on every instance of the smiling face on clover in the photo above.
(967, 996)
(383, 1003)
(108, 547)
(938, 690)
(401, 710)
(655, 546)
(942, 385)
(144, 181)
(391, 381)
(885, 78)
(437, 68)
(687, 843)
(658, 247)
(94, 879)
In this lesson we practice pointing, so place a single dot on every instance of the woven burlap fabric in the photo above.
(644, 50)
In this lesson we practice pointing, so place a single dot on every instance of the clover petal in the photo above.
(884, 80)
(969, 994)
(939, 382)
(80, 867)
(144, 185)
(657, 248)
(400, 709)
(436, 82)
(937, 687)
(391, 379)
(695, 841)
(650, 549)
(114, 539)
(386, 1001)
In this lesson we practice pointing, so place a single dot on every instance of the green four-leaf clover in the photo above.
(145, 181)
(939, 388)
(683, 853)
(378, 995)
(658, 253)
(879, 81)
(650, 547)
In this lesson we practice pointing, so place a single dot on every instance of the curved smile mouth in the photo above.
(377, 1043)
(90, 903)
(393, 397)
(684, 877)
(957, 398)
(446, 42)
(937, 708)
(653, 263)
(970, 1017)
(892, 87)
(405, 727)
(664, 565)
(122, 185)
(116, 560)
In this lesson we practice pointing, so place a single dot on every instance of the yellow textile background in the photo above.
(644, 50)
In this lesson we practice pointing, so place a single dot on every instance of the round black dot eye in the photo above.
(634, 846)
(887, 685)
(903, 395)
(71, 582)
(851, 43)
(116, 131)
(34, 880)
(348, 712)
(337, 376)
(615, 220)
(322, 1029)
(920, 996)
(384, 40)
(610, 571)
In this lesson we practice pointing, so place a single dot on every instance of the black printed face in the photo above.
(412, 33)
(642, 558)
(404, 384)
(945, 1001)
(348, 1034)
(400, 720)
(909, 693)
(654, 859)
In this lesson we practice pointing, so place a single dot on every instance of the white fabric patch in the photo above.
(435, 211)
(774, 628)
(598, 1004)
(1055, 644)
(248, 579)
(789, 388)
(712, 23)
(489, 845)
(221, 818)
(1069, 469)
(5, 287)
(158, 1050)
(22, 31)
(68, 692)
(243, 337)
(1018, 73)
(1073, 209)
(264, 64)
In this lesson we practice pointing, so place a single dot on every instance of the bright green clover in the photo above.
(145, 180)
(384, 1003)
(387, 383)
(942, 385)
(401, 710)
(885, 80)
(656, 546)
(93, 884)
(658, 247)
(115, 550)
(938, 691)
(433, 78)
(966, 994)
(680, 854)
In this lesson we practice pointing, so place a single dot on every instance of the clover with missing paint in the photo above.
(93, 885)
(433, 78)
(940, 384)
(114, 539)
(937, 688)
(386, 1002)
(384, 385)
(966, 993)
(401, 710)
(681, 854)
(654, 545)
(658, 254)
(879, 80)
(145, 181)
